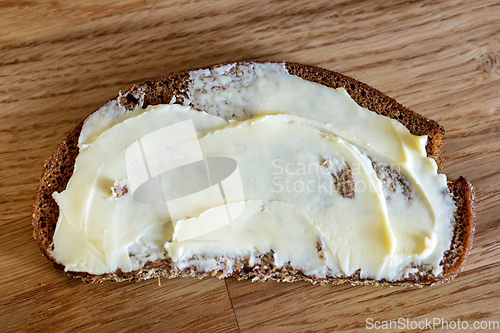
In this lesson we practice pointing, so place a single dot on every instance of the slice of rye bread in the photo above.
(59, 168)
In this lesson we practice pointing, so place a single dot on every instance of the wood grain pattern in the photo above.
(61, 60)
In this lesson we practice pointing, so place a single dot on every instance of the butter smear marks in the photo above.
(272, 164)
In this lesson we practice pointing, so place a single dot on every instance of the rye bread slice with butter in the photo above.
(59, 169)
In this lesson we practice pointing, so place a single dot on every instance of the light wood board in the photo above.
(60, 60)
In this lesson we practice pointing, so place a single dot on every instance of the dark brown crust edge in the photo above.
(59, 168)
(378, 102)
(464, 195)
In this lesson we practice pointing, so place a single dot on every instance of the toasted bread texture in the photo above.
(59, 167)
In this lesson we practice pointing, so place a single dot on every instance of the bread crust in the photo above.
(58, 169)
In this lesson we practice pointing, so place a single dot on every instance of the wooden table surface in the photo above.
(60, 60)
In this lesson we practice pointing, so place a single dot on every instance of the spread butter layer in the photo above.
(330, 188)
